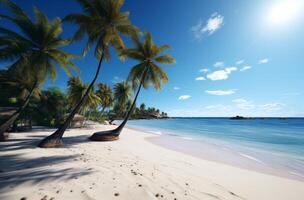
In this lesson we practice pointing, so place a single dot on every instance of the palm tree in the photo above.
(50, 109)
(35, 52)
(122, 93)
(17, 86)
(20, 87)
(76, 90)
(144, 74)
(142, 107)
(105, 94)
(103, 24)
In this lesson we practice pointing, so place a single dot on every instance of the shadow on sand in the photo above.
(16, 169)
(32, 141)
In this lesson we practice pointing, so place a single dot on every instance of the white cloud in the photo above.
(264, 61)
(184, 97)
(272, 106)
(218, 75)
(245, 68)
(176, 88)
(230, 69)
(205, 70)
(221, 92)
(221, 74)
(200, 78)
(243, 104)
(239, 62)
(219, 64)
(213, 23)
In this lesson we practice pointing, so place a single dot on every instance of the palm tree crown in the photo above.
(105, 94)
(102, 22)
(149, 56)
(35, 50)
(122, 92)
(76, 90)
(17, 85)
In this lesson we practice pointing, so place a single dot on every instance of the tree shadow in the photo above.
(16, 170)
(32, 141)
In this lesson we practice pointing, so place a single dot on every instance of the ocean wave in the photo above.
(156, 132)
(185, 138)
(251, 158)
(296, 173)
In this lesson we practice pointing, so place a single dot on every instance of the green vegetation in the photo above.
(51, 107)
(150, 112)
(34, 52)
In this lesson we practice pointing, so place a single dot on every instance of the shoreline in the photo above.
(207, 150)
(132, 168)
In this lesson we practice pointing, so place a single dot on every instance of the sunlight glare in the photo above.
(284, 11)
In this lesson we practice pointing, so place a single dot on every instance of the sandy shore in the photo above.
(131, 168)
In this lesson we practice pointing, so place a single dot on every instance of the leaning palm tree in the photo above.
(144, 74)
(20, 87)
(105, 94)
(76, 90)
(35, 51)
(102, 23)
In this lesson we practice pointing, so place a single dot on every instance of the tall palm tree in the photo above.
(144, 74)
(76, 90)
(105, 94)
(35, 51)
(102, 23)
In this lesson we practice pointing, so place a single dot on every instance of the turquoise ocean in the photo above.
(275, 145)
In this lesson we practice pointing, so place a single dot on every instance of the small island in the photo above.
(241, 117)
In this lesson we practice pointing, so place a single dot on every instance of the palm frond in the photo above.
(35, 48)
(15, 9)
(165, 59)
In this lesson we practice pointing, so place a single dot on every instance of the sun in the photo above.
(284, 11)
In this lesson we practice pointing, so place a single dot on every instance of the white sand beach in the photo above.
(130, 168)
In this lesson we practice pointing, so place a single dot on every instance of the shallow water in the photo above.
(267, 144)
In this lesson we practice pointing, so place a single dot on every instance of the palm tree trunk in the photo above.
(114, 134)
(55, 139)
(7, 124)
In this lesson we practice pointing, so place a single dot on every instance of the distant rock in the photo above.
(241, 117)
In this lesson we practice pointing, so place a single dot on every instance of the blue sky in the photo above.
(236, 58)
